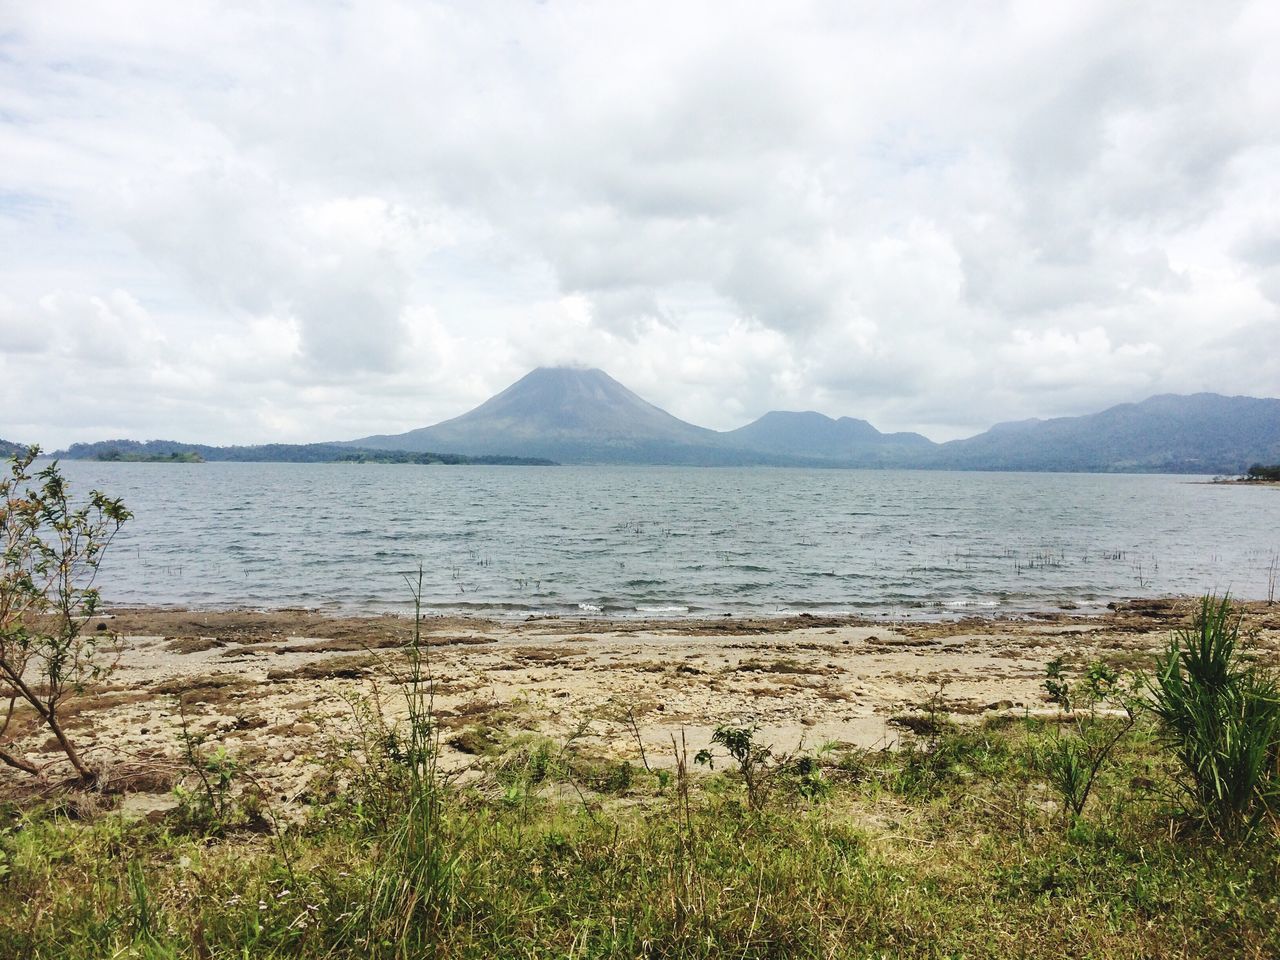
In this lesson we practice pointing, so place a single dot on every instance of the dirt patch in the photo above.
(209, 689)
(785, 665)
(329, 668)
(193, 644)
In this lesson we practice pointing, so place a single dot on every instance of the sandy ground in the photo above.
(276, 689)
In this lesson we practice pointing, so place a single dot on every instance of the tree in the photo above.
(52, 550)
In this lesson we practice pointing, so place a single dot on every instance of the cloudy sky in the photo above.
(247, 222)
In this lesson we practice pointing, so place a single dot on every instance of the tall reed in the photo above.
(413, 886)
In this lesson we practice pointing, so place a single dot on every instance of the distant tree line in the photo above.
(171, 451)
(118, 456)
(1260, 472)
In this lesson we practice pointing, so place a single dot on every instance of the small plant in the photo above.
(1220, 716)
(1073, 756)
(1056, 683)
(530, 763)
(51, 553)
(211, 806)
(755, 762)
(805, 774)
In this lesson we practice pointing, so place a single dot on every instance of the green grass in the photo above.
(954, 849)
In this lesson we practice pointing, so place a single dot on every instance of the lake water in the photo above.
(673, 541)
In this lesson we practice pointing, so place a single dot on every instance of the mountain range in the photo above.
(573, 415)
(585, 416)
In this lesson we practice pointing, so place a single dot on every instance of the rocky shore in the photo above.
(280, 690)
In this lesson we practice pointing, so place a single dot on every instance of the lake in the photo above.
(674, 541)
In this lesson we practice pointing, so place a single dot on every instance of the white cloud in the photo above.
(302, 222)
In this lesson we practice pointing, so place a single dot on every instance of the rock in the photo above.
(146, 806)
(305, 729)
(288, 756)
(1000, 705)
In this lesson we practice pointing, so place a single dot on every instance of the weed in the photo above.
(211, 807)
(1073, 754)
(754, 761)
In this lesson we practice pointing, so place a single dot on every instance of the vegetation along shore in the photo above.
(291, 784)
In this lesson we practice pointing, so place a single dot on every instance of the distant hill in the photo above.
(574, 416)
(9, 449)
(817, 436)
(173, 451)
(1201, 433)
(585, 416)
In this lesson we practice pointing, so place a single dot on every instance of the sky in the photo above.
(249, 222)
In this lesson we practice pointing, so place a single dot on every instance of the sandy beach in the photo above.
(278, 690)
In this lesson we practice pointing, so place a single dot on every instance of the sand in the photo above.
(279, 690)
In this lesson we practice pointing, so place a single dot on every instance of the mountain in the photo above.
(9, 449)
(1201, 433)
(817, 436)
(577, 416)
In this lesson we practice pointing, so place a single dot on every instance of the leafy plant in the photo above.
(1220, 716)
(805, 774)
(1075, 753)
(213, 805)
(1055, 683)
(755, 761)
(52, 549)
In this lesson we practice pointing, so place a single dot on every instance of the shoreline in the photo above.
(277, 689)
(940, 611)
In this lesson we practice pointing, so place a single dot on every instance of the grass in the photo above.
(963, 844)
(957, 851)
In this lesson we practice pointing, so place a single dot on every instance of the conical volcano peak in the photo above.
(567, 378)
(578, 400)
(565, 412)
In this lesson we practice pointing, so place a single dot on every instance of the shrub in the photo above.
(1220, 715)
(52, 550)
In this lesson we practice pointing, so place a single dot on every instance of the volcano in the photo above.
(574, 416)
